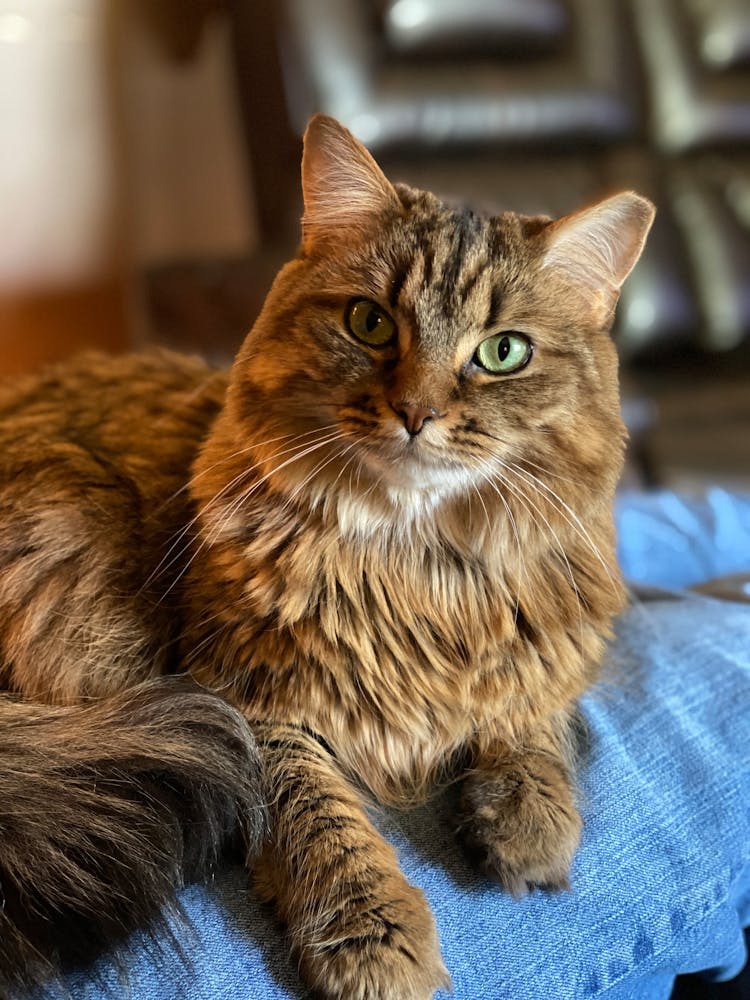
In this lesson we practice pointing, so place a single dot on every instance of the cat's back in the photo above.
(153, 406)
(95, 455)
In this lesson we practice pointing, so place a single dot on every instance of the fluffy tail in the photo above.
(105, 810)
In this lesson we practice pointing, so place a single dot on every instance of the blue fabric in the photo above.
(674, 541)
(661, 884)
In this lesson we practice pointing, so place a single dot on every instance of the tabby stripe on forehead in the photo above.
(467, 228)
(401, 273)
(428, 256)
(470, 281)
(496, 302)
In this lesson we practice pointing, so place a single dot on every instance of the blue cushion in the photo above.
(661, 884)
(674, 541)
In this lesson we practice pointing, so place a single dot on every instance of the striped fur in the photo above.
(105, 810)
(420, 605)
(388, 611)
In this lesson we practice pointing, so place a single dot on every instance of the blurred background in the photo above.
(150, 161)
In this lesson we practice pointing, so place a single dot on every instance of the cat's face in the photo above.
(420, 347)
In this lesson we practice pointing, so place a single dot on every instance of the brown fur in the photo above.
(105, 810)
(385, 609)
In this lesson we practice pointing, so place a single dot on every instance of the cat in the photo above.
(116, 785)
(384, 537)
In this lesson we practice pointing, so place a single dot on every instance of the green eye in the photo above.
(369, 323)
(503, 353)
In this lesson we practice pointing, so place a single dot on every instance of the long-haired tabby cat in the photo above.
(384, 537)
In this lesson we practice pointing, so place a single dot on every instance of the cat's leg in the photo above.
(519, 821)
(359, 929)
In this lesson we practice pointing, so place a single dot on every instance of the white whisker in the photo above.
(576, 526)
(526, 500)
(165, 561)
(240, 500)
(519, 548)
(236, 454)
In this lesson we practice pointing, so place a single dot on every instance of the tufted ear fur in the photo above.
(598, 247)
(342, 185)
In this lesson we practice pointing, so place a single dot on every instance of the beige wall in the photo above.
(114, 159)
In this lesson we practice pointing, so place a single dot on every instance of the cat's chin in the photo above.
(387, 510)
(392, 495)
(410, 471)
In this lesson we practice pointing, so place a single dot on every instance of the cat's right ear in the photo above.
(597, 248)
(343, 187)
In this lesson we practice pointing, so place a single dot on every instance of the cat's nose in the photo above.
(414, 415)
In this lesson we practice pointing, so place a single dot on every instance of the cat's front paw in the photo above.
(520, 825)
(383, 945)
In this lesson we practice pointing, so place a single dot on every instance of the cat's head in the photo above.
(415, 348)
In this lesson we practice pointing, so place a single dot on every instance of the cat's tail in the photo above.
(105, 810)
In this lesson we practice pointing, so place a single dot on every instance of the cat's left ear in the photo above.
(343, 187)
(598, 247)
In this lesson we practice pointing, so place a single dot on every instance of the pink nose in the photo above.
(414, 415)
